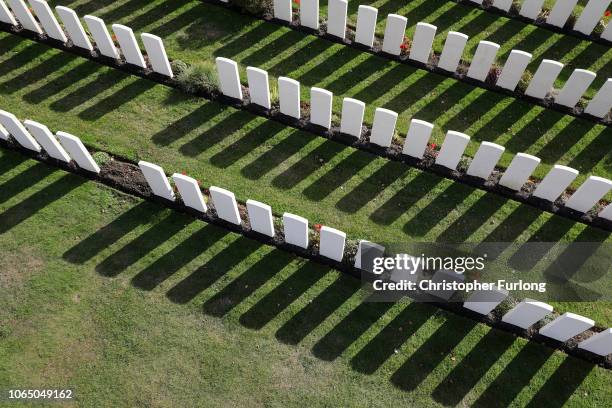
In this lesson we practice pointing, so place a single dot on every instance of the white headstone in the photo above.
(394, 34)
(409, 272)
(417, 138)
(452, 51)
(606, 213)
(260, 217)
(566, 326)
(483, 59)
(336, 18)
(78, 152)
(225, 204)
(157, 180)
(289, 96)
(484, 301)
(589, 194)
(607, 32)
(229, 79)
(438, 278)
(485, 159)
(74, 28)
(5, 14)
(157, 54)
(383, 127)
(502, 4)
(24, 16)
(259, 87)
(452, 149)
(282, 10)
(575, 87)
(555, 182)
(129, 46)
(102, 38)
(518, 172)
(600, 344)
(47, 19)
(422, 41)
(309, 13)
(4, 134)
(190, 192)
(331, 243)
(47, 140)
(560, 12)
(295, 229)
(513, 69)
(321, 107)
(527, 313)
(366, 252)
(591, 14)
(531, 8)
(352, 117)
(544, 79)
(476, 1)
(366, 25)
(602, 101)
(18, 131)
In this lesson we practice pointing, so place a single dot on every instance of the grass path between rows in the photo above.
(131, 304)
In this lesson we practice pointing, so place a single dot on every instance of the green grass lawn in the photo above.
(362, 194)
(131, 304)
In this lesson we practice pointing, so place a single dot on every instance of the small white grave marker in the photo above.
(452, 149)
(566, 326)
(24, 16)
(129, 45)
(418, 135)
(518, 172)
(331, 243)
(383, 127)
(282, 10)
(157, 180)
(4, 134)
(483, 59)
(485, 159)
(48, 20)
(229, 80)
(74, 28)
(561, 12)
(309, 14)
(336, 18)
(259, 87)
(43, 135)
(295, 229)
(452, 51)
(321, 107)
(78, 152)
(157, 54)
(600, 344)
(526, 313)
(513, 69)
(531, 8)
(589, 194)
(544, 78)
(422, 41)
(602, 101)
(366, 252)
(18, 131)
(5, 14)
(575, 87)
(555, 182)
(352, 117)
(502, 4)
(484, 301)
(100, 34)
(190, 192)
(606, 213)
(225, 204)
(439, 277)
(394, 34)
(590, 16)
(366, 25)
(289, 96)
(260, 217)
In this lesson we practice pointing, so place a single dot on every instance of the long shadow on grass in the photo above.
(247, 283)
(106, 236)
(26, 208)
(22, 57)
(597, 150)
(46, 67)
(236, 45)
(24, 180)
(142, 245)
(211, 271)
(182, 127)
(170, 27)
(123, 95)
(55, 86)
(104, 80)
(195, 244)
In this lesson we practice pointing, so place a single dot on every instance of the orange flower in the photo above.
(317, 227)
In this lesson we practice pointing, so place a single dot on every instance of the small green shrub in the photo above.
(101, 158)
(199, 77)
(599, 28)
(178, 66)
(257, 7)
(524, 82)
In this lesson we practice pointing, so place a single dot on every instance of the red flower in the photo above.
(183, 173)
(607, 13)
(317, 227)
(432, 145)
(296, 1)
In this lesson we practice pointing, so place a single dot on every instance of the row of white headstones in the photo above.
(72, 29)
(482, 165)
(541, 85)
(65, 147)
(562, 10)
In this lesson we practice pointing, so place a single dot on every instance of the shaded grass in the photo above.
(118, 345)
